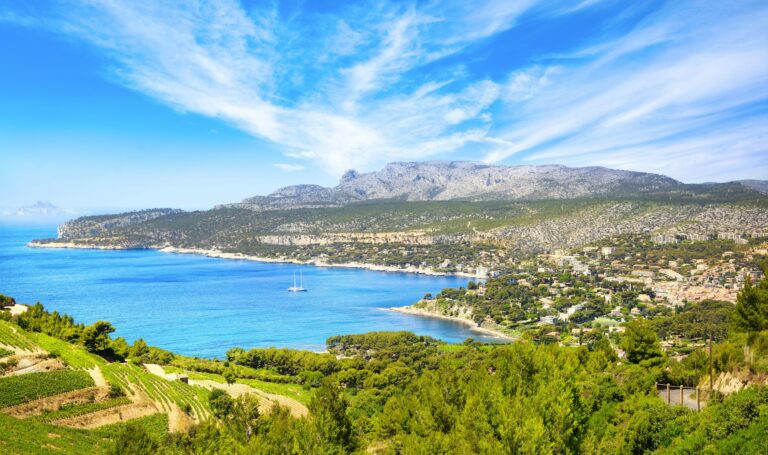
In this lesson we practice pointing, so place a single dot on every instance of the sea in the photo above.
(201, 306)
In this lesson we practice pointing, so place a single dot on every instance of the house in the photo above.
(549, 320)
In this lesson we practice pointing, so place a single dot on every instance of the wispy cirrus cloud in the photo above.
(683, 91)
(374, 81)
(348, 104)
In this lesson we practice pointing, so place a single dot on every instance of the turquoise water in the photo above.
(203, 306)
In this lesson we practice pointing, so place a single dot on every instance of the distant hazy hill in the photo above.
(41, 210)
(457, 180)
(757, 185)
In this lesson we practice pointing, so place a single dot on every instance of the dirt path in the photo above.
(98, 377)
(55, 402)
(158, 370)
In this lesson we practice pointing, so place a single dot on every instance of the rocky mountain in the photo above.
(469, 181)
(451, 216)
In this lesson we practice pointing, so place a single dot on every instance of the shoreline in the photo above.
(410, 310)
(212, 253)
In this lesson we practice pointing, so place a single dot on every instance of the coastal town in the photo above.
(563, 295)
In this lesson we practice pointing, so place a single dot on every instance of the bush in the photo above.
(115, 391)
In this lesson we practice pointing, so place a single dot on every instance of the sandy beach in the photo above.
(471, 324)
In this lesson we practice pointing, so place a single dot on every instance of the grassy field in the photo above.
(27, 387)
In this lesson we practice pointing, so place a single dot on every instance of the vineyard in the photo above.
(27, 387)
(9, 336)
(164, 393)
(58, 396)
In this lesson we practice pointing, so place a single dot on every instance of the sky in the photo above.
(112, 105)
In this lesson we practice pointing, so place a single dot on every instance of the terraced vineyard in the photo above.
(27, 387)
(72, 398)
(164, 393)
(75, 410)
(11, 337)
(56, 396)
(74, 356)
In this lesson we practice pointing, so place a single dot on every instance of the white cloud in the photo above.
(364, 86)
(350, 103)
(661, 98)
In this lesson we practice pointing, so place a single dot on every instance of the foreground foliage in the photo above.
(396, 392)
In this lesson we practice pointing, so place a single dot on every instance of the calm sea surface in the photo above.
(203, 306)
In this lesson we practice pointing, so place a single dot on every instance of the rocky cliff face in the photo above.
(458, 180)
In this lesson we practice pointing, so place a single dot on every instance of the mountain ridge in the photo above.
(464, 180)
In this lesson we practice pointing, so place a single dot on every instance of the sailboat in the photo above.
(300, 287)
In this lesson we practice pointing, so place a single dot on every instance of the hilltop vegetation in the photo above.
(439, 217)
(396, 392)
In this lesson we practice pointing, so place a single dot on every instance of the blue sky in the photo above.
(108, 104)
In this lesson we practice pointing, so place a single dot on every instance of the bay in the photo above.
(203, 306)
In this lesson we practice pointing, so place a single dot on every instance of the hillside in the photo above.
(438, 217)
(381, 392)
(72, 397)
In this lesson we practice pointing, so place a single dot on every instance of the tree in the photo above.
(245, 415)
(139, 349)
(6, 301)
(120, 347)
(230, 376)
(751, 315)
(329, 408)
(95, 337)
(221, 403)
(134, 439)
(640, 342)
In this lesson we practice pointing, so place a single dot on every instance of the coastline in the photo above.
(410, 310)
(212, 253)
